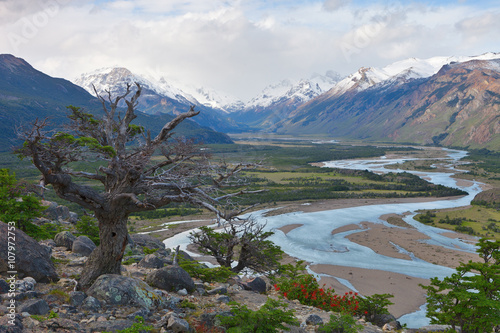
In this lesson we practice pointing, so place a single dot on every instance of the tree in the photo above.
(135, 172)
(469, 298)
(243, 240)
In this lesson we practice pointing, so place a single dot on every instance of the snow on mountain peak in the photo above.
(301, 91)
(411, 68)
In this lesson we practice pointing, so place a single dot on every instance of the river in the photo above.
(313, 241)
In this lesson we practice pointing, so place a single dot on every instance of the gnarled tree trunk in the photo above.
(107, 257)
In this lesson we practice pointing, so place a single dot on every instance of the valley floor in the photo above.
(408, 295)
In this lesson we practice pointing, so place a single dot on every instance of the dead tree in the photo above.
(128, 179)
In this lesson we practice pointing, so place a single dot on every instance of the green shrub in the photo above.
(343, 324)
(187, 304)
(269, 318)
(88, 226)
(138, 327)
(372, 306)
(215, 274)
(147, 250)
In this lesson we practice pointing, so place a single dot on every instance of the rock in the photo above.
(76, 298)
(57, 212)
(122, 290)
(257, 284)
(91, 303)
(392, 326)
(382, 319)
(11, 323)
(73, 217)
(109, 325)
(223, 299)
(60, 325)
(151, 261)
(48, 242)
(83, 245)
(31, 261)
(26, 284)
(183, 255)
(147, 240)
(314, 319)
(144, 313)
(177, 324)
(35, 307)
(171, 278)
(218, 291)
(182, 292)
(65, 238)
(4, 286)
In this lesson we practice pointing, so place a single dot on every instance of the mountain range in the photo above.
(27, 94)
(445, 101)
(449, 101)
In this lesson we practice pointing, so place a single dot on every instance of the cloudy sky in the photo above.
(241, 46)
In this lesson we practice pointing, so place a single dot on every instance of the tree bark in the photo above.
(107, 257)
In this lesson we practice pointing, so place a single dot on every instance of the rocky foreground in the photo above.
(153, 291)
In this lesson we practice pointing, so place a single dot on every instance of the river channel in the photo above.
(314, 242)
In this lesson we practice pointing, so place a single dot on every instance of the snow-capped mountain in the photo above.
(114, 79)
(215, 99)
(158, 95)
(400, 71)
(297, 91)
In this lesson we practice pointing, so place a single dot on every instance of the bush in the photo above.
(371, 307)
(269, 318)
(343, 324)
(21, 207)
(138, 327)
(305, 288)
(199, 271)
(88, 226)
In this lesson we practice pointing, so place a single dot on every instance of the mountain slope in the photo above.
(158, 96)
(458, 106)
(27, 94)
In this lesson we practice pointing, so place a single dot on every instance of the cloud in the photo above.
(333, 5)
(237, 45)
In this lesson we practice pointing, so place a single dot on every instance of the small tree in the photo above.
(469, 298)
(17, 205)
(243, 240)
(128, 179)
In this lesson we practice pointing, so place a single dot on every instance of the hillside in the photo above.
(27, 94)
(458, 106)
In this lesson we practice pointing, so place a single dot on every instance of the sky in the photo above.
(241, 46)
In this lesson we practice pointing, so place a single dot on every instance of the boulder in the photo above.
(35, 307)
(151, 261)
(91, 304)
(31, 261)
(76, 298)
(256, 284)
(122, 290)
(147, 240)
(65, 238)
(57, 212)
(83, 245)
(171, 278)
(314, 319)
(4, 286)
(177, 325)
